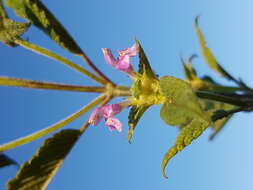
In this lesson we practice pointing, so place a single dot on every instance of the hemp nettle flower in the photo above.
(123, 61)
(113, 124)
(96, 116)
(107, 112)
(111, 110)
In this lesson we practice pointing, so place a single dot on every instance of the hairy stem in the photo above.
(24, 83)
(59, 58)
(222, 98)
(43, 132)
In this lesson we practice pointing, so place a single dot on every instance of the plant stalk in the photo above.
(59, 58)
(223, 98)
(58, 125)
(25, 83)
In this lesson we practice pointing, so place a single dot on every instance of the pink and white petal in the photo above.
(111, 110)
(96, 116)
(113, 124)
(109, 57)
(124, 64)
(132, 51)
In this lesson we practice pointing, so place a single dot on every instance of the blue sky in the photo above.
(103, 160)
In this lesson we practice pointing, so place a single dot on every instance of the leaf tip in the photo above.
(192, 57)
(164, 173)
(196, 20)
(130, 136)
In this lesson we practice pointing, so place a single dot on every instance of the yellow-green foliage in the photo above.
(181, 109)
(207, 53)
(40, 16)
(40, 169)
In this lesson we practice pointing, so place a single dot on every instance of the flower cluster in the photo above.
(122, 63)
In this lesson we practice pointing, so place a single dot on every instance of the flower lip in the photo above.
(107, 112)
(113, 124)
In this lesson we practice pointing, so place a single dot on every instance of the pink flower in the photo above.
(123, 61)
(96, 116)
(113, 124)
(132, 51)
(107, 112)
(111, 110)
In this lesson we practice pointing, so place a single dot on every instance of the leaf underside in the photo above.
(36, 173)
(134, 116)
(9, 29)
(37, 13)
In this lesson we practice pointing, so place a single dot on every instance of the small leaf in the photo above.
(40, 16)
(182, 104)
(181, 109)
(6, 161)
(11, 30)
(144, 66)
(41, 168)
(210, 107)
(3, 13)
(190, 132)
(134, 116)
(189, 70)
(207, 53)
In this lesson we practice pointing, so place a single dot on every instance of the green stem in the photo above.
(43, 132)
(220, 98)
(17, 82)
(226, 89)
(59, 58)
(121, 91)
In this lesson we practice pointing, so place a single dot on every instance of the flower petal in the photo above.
(113, 124)
(111, 110)
(132, 51)
(124, 64)
(96, 116)
(109, 57)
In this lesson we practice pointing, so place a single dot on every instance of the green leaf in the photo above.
(207, 53)
(211, 107)
(190, 132)
(3, 13)
(11, 30)
(41, 168)
(181, 109)
(182, 102)
(6, 161)
(134, 116)
(144, 66)
(40, 16)
(189, 70)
